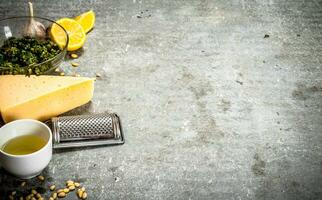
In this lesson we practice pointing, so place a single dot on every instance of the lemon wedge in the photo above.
(86, 20)
(76, 34)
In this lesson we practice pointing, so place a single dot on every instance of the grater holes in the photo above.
(85, 127)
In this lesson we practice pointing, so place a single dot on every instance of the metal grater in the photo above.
(86, 130)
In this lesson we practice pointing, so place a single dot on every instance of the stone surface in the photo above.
(211, 108)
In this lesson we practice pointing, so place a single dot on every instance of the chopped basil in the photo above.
(21, 55)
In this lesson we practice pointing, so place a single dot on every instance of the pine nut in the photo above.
(69, 184)
(61, 195)
(84, 195)
(98, 75)
(80, 193)
(75, 64)
(71, 188)
(54, 195)
(73, 55)
(41, 178)
(60, 190)
(52, 188)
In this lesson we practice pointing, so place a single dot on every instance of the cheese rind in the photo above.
(42, 97)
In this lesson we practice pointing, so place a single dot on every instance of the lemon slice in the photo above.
(86, 20)
(76, 34)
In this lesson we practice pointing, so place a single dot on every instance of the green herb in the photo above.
(22, 55)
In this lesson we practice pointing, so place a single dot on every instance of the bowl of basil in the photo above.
(24, 51)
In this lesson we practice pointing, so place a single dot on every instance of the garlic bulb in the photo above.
(34, 28)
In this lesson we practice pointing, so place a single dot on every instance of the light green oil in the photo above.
(22, 145)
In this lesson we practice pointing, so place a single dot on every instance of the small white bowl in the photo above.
(29, 165)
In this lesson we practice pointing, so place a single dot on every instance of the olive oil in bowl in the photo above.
(23, 145)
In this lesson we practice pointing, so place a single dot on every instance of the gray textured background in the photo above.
(210, 108)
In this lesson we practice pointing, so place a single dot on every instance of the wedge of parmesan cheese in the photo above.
(42, 97)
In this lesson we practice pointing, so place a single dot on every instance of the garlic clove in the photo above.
(34, 28)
